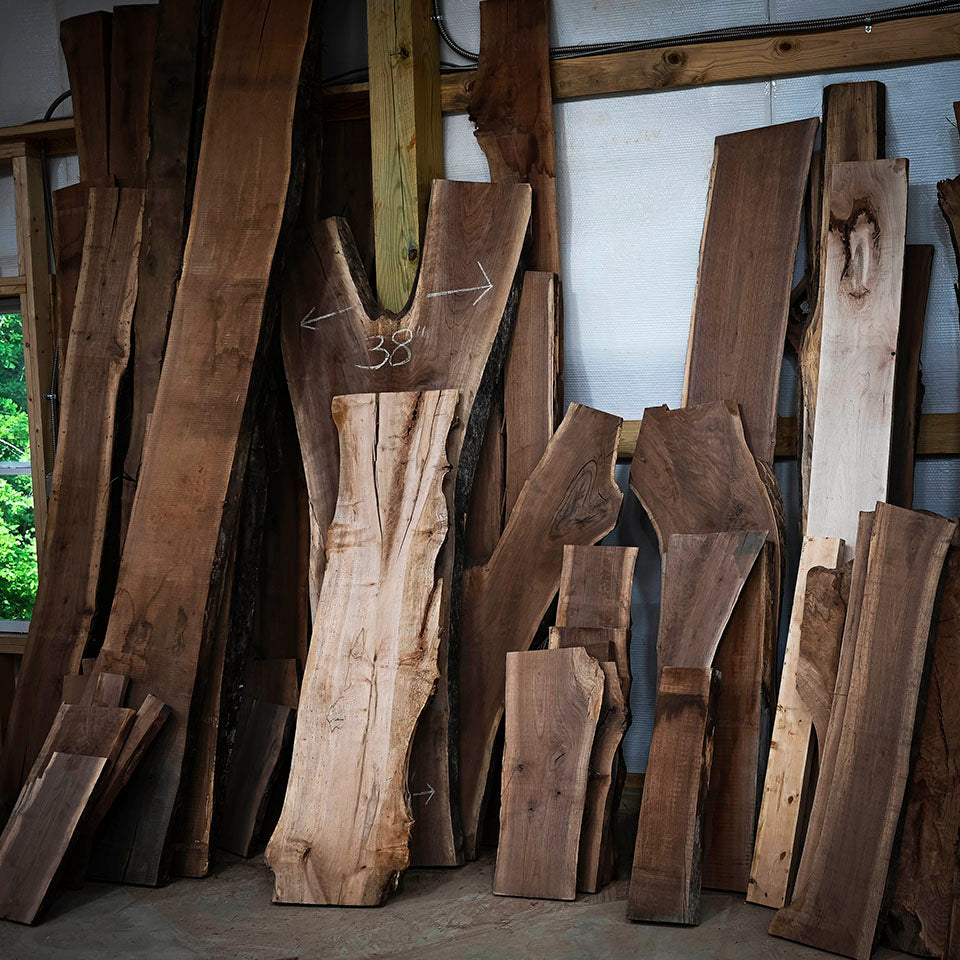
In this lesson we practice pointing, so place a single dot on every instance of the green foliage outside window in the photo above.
(18, 538)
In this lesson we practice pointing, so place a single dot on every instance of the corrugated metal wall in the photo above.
(632, 178)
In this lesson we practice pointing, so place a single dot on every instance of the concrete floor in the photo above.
(437, 914)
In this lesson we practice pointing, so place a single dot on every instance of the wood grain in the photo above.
(79, 500)
(602, 643)
(344, 834)
(156, 626)
(693, 472)
(596, 584)
(919, 906)
(854, 128)
(703, 574)
(455, 340)
(86, 43)
(553, 701)
(757, 186)
(166, 170)
(787, 791)
(843, 869)
(667, 860)
(907, 380)
(405, 136)
(862, 283)
(69, 227)
(948, 198)
(570, 498)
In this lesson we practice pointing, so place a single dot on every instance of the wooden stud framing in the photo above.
(405, 136)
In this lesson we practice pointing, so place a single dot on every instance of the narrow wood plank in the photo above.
(79, 502)
(703, 574)
(826, 595)
(854, 128)
(40, 830)
(69, 226)
(570, 498)
(596, 584)
(948, 198)
(172, 87)
(693, 472)
(86, 43)
(36, 308)
(786, 795)
(918, 910)
(405, 136)
(553, 701)
(343, 837)
(262, 733)
(132, 39)
(667, 860)
(907, 381)
(757, 186)
(274, 681)
(904, 40)
(109, 689)
(450, 336)
(843, 870)
(863, 278)
(8, 673)
(156, 626)
(596, 640)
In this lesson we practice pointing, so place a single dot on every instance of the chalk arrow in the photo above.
(428, 793)
(309, 322)
(485, 288)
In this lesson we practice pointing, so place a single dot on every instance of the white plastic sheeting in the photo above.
(632, 176)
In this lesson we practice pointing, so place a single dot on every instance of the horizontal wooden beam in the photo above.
(939, 437)
(13, 642)
(58, 137)
(908, 40)
(12, 286)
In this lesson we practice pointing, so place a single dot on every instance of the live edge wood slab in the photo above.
(452, 334)
(173, 560)
(553, 701)
(79, 502)
(866, 758)
(570, 498)
(344, 834)
(693, 473)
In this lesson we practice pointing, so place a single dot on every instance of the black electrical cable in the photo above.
(928, 8)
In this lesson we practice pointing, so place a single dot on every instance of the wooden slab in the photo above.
(787, 792)
(821, 635)
(597, 840)
(69, 227)
(553, 701)
(603, 643)
(863, 278)
(72, 688)
(703, 574)
(86, 48)
(336, 340)
(109, 689)
(596, 584)
(172, 86)
(667, 860)
(844, 865)
(40, 830)
(156, 626)
(907, 381)
(512, 109)
(693, 473)
(750, 233)
(79, 500)
(918, 909)
(133, 35)
(343, 837)
(262, 733)
(948, 198)
(853, 128)
(570, 498)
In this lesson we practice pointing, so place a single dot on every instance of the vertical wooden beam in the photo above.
(35, 307)
(406, 137)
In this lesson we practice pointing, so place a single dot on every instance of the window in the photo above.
(18, 538)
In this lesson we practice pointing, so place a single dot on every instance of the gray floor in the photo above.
(436, 914)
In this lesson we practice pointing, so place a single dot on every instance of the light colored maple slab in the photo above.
(553, 701)
(344, 834)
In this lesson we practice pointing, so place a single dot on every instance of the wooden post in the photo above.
(406, 138)
(35, 307)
